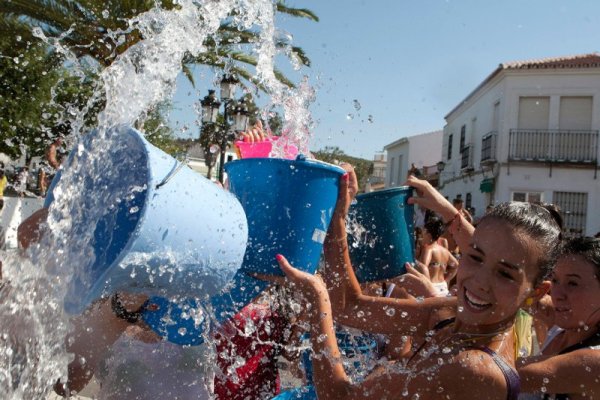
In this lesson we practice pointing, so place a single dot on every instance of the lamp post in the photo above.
(440, 168)
(210, 110)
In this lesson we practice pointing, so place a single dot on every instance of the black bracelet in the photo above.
(120, 311)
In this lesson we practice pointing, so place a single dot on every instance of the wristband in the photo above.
(120, 311)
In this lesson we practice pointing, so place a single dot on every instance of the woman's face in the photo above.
(496, 275)
(575, 293)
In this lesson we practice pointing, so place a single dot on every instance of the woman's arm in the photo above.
(350, 306)
(451, 267)
(571, 373)
(428, 197)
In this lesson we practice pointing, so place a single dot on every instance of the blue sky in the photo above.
(408, 63)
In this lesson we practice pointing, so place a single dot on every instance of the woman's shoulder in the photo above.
(473, 371)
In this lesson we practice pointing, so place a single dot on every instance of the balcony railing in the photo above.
(488, 147)
(466, 157)
(561, 146)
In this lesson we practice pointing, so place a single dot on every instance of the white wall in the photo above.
(425, 149)
(537, 179)
(397, 164)
(420, 150)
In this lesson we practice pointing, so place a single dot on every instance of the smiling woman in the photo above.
(570, 359)
(469, 336)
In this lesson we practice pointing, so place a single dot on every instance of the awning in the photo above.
(487, 185)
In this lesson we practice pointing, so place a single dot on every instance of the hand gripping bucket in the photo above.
(382, 237)
(143, 222)
(289, 204)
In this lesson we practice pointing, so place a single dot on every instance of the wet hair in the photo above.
(435, 227)
(541, 222)
(586, 247)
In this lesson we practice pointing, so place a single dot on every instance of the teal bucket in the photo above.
(382, 234)
(301, 393)
(289, 204)
(141, 222)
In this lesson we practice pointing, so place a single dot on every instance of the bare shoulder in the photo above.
(473, 374)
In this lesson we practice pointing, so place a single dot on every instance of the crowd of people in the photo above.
(448, 323)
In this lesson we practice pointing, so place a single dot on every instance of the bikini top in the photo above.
(513, 382)
(591, 342)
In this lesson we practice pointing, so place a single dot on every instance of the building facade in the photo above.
(421, 151)
(529, 132)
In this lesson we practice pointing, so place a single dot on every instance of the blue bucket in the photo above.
(289, 204)
(154, 225)
(355, 350)
(383, 234)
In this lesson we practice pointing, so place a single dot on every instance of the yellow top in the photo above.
(3, 183)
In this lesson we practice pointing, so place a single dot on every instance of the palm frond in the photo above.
(296, 12)
(187, 71)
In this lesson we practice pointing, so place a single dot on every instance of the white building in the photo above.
(195, 155)
(420, 150)
(529, 132)
(377, 179)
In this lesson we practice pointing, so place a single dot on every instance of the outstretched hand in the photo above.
(430, 198)
(347, 191)
(255, 134)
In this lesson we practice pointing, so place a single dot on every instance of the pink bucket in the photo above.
(263, 149)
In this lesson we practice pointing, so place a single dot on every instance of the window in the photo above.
(531, 197)
(463, 134)
(575, 113)
(496, 117)
(573, 206)
(534, 113)
(391, 174)
(468, 201)
(450, 137)
(401, 173)
(229, 158)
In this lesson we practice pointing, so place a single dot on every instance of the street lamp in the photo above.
(440, 166)
(210, 110)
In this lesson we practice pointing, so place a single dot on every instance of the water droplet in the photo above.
(37, 32)
(321, 338)
(182, 331)
(446, 350)
(404, 314)
(390, 312)
(361, 314)
(356, 104)
(461, 309)
(350, 116)
(370, 118)
(105, 14)
(133, 210)
(213, 149)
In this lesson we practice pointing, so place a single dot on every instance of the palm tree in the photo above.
(84, 26)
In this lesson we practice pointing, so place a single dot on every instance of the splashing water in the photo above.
(33, 354)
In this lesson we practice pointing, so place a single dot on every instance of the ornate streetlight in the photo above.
(210, 110)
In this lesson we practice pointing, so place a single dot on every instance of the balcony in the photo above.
(556, 146)
(488, 148)
(466, 157)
